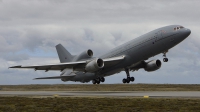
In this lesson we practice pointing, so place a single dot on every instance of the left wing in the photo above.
(56, 77)
(60, 66)
(78, 65)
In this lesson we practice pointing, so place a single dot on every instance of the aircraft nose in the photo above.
(187, 32)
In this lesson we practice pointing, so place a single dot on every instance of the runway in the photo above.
(151, 94)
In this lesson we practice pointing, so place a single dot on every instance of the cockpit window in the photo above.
(177, 28)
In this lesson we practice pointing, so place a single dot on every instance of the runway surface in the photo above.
(153, 94)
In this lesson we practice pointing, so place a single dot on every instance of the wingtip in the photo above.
(19, 66)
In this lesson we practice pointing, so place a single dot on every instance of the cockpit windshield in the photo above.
(179, 27)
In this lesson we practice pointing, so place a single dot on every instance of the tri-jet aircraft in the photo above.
(130, 56)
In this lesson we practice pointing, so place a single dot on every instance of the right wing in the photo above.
(112, 61)
(79, 65)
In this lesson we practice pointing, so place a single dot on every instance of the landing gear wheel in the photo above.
(132, 79)
(102, 79)
(98, 82)
(124, 81)
(128, 79)
(94, 81)
(165, 59)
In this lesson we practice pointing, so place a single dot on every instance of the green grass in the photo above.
(91, 104)
(103, 87)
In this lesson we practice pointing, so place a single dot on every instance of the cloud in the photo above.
(15, 57)
(30, 30)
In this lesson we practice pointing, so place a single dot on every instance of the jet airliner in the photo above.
(130, 56)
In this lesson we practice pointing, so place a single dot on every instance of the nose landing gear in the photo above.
(165, 59)
(128, 79)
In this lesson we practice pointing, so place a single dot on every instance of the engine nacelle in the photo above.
(94, 65)
(152, 65)
(84, 55)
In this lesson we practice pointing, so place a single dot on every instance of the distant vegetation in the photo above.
(91, 104)
(103, 87)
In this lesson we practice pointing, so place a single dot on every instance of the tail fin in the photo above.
(63, 54)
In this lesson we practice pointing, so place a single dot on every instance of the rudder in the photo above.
(63, 54)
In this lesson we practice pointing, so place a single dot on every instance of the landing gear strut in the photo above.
(165, 59)
(98, 80)
(128, 79)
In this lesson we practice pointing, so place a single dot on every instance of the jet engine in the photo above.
(84, 55)
(94, 65)
(152, 65)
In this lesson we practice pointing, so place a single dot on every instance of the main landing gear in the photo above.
(165, 59)
(98, 80)
(128, 79)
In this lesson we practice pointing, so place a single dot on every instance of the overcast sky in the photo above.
(30, 30)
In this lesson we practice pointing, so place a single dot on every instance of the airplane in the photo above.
(130, 56)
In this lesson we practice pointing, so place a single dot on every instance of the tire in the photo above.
(98, 82)
(165, 59)
(124, 81)
(102, 79)
(132, 79)
(94, 81)
(128, 80)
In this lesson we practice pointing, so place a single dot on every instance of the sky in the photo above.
(30, 30)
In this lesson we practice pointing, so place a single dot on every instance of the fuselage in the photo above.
(139, 49)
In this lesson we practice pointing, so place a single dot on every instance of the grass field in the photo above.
(91, 104)
(103, 87)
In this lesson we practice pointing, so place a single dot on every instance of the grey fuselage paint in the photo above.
(138, 49)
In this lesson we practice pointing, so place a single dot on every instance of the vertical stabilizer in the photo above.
(63, 54)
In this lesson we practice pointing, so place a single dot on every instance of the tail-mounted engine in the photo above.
(84, 55)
